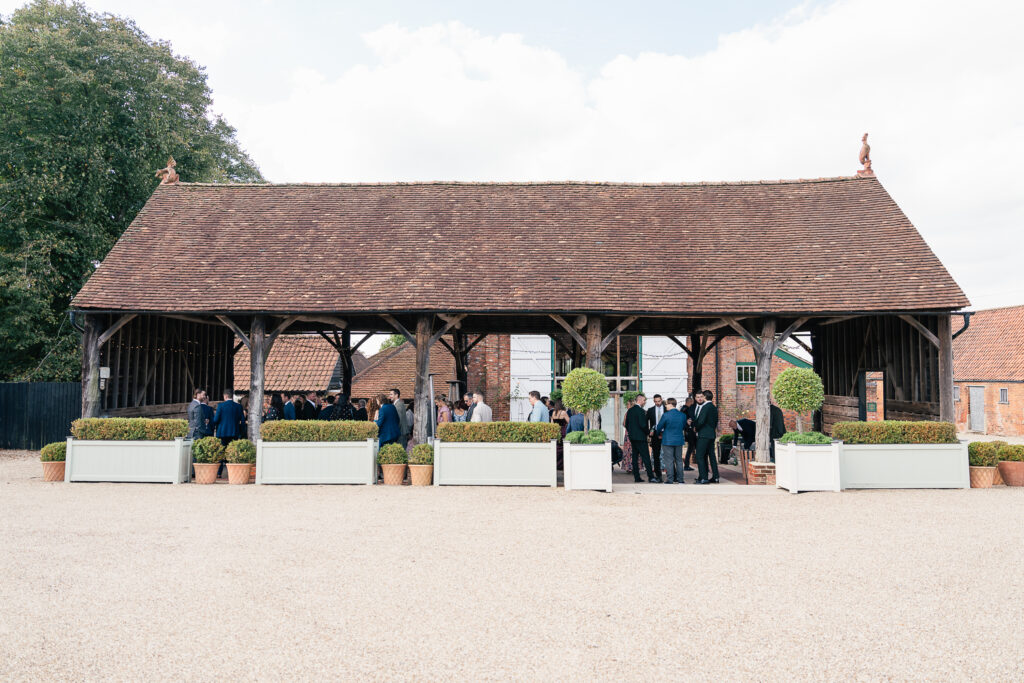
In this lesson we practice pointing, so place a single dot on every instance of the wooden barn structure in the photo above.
(205, 267)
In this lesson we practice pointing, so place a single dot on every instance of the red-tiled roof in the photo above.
(396, 368)
(295, 363)
(992, 348)
(828, 245)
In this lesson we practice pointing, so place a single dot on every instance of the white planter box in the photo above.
(807, 467)
(316, 462)
(587, 466)
(495, 464)
(904, 466)
(166, 462)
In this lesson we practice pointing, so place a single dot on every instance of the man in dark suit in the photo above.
(778, 426)
(636, 432)
(744, 432)
(389, 429)
(196, 420)
(706, 425)
(229, 420)
(654, 414)
(310, 408)
(207, 429)
(689, 410)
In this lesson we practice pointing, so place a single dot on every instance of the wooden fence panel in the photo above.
(33, 414)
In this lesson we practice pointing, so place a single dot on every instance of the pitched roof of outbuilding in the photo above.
(396, 368)
(296, 363)
(992, 348)
(828, 245)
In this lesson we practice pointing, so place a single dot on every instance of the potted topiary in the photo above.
(799, 390)
(241, 457)
(1011, 464)
(392, 459)
(207, 452)
(586, 391)
(421, 465)
(588, 460)
(52, 457)
(983, 459)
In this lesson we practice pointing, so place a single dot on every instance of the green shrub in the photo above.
(585, 390)
(498, 432)
(894, 432)
(392, 454)
(725, 438)
(984, 453)
(1011, 452)
(799, 390)
(556, 395)
(574, 437)
(54, 452)
(805, 438)
(209, 449)
(241, 451)
(423, 454)
(128, 429)
(594, 436)
(318, 430)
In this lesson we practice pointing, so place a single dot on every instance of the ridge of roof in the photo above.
(531, 183)
(996, 308)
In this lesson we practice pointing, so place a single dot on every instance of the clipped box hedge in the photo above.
(894, 432)
(498, 432)
(805, 438)
(984, 453)
(318, 430)
(54, 452)
(128, 429)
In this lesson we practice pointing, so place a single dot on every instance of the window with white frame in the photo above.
(1004, 395)
(746, 373)
(956, 393)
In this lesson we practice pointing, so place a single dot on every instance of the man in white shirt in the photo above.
(540, 411)
(481, 411)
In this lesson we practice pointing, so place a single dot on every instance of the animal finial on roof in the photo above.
(168, 174)
(865, 157)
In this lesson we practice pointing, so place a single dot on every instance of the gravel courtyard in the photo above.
(132, 581)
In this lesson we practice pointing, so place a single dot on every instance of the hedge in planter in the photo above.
(128, 429)
(54, 452)
(392, 454)
(422, 454)
(208, 450)
(805, 438)
(498, 432)
(984, 453)
(241, 451)
(894, 432)
(593, 436)
(316, 430)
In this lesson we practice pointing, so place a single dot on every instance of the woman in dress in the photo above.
(269, 411)
(444, 413)
(459, 412)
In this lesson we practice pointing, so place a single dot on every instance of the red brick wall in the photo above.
(1001, 419)
(874, 392)
(488, 370)
(736, 400)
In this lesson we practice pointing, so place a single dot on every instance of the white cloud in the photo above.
(936, 84)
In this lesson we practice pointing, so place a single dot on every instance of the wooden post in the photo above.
(762, 389)
(423, 401)
(258, 352)
(461, 361)
(91, 367)
(700, 348)
(593, 339)
(346, 363)
(947, 412)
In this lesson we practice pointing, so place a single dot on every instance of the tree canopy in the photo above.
(391, 342)
(92, 106)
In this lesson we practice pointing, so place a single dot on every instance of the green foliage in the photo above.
(241, 451)
(629, 396)
(128, 429)
(556, 395)
(423, 454)
(574, 437)
(318, 430)
(725, 438)
(498, 432)
(392, 342)
(1011, 452)
(894, 432)
(984, 453)
(392, 454)
(799, 389)
(585, 390)
(805, 438)
(54, 452)
(594, 436)
(209, 449)
(91, 107)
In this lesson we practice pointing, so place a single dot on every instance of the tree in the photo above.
(585, 390)
(392, 342)
(91, 108)
(799, 390)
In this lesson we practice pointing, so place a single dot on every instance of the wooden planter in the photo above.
(128, 461)
(1012, 472)
(495, 464)
(587, 466)
(807, 467)
(983, 477)
(316, 462)
(904, 466)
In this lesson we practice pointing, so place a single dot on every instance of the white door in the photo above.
(976, 406)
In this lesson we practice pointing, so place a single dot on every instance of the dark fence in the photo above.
(32, 414)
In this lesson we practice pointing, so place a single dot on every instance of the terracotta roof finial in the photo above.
(169, 175)
(865, 158)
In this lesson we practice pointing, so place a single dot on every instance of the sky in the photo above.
(639, 91)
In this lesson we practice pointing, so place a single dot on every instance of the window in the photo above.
(956, 393)
(1004, 395)
(746, 373)
(620, 362)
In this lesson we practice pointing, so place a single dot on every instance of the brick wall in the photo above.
(874, 392)
(488, 370)
(1001, 419)
(736, 400)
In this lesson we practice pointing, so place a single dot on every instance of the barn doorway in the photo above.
(976, 408)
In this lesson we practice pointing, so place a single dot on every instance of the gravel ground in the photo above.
(135, 581)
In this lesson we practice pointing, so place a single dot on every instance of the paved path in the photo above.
(188, 582)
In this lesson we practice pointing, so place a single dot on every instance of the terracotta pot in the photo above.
(252, 473)
(206, 472)
(53, 470)
(1012, 472)
(394, 475)
(998, 481)
(421, 475)
(238, 472)
(982, 477)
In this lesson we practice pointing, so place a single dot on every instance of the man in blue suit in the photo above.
(670, 429)
(229, 420)
(389, 429)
